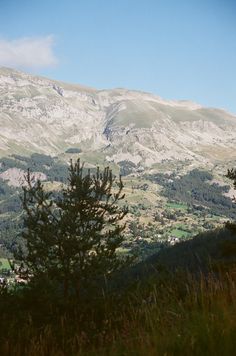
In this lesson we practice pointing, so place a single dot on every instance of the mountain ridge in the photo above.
(47, 116)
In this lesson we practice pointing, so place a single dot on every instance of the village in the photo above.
(11, 273)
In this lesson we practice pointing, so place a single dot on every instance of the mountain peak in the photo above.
(42, 115)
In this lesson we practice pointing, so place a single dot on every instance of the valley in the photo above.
(160, 211)
(173, 155)
(117, 178)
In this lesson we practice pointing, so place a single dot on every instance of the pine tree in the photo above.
(231, 174)
(72, 237)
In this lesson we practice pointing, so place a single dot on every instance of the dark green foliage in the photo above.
(196, 255)
(52, 167)
(126, 167)
(72, 237)
(231, 174)
(73, 150)
(36, 160)
(5, 189)
(7, 162)
(178, 302)
(10, 204)
(164, 313)
(57, 172)
(195, 189)
(9, 224)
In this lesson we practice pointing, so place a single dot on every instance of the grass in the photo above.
(216, 217)
(4, 264)
(182, 226)
(179, 206)
(174, 314)
(179, 233)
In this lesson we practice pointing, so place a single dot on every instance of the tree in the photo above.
(231, 174)
(72, 236)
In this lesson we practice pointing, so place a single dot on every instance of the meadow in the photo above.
(167, 314)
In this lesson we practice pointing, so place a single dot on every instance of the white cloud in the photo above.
(28, 52)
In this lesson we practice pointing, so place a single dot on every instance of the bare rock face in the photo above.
(45, 116)
(17, 177)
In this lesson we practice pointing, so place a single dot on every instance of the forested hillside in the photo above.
(163, 208)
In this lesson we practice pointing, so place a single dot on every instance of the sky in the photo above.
(183, 49)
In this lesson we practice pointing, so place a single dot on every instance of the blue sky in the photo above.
(183, 49)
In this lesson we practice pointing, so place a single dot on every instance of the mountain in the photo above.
(167, 146)
(47, 116)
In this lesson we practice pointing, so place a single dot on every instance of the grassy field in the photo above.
(4, 264)
(162, 307)
(173, 315)
(178, 206)
(179, 233)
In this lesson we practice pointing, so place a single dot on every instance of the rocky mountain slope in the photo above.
(43, 115)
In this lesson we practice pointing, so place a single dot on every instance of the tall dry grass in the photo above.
(175, 315)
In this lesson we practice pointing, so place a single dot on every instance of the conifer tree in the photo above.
(73, 236)
(231, 174)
